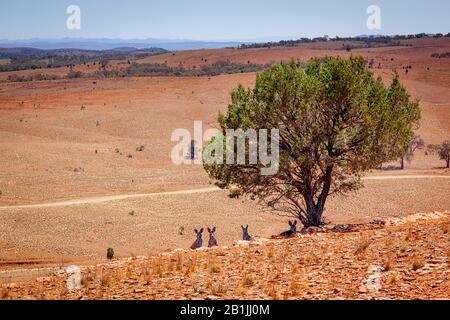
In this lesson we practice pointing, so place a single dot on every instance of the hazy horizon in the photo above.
(230, 21)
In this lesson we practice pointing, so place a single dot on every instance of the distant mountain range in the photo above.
(109, 44)
(26, 52)
(132, 45)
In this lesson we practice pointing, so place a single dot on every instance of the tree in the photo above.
(335, 122)
(416, 143)
(442, 150)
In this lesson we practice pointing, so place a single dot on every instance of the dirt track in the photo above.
(97, 200)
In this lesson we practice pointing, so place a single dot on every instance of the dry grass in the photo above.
(248, 281)
(446, 228)
(362, 247)
(418, 263)
(215, 269)
(388, 265)
(292, 275)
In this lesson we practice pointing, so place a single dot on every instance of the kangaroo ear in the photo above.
(295, 222)
(242, 227)
(214, 229)
(209, 230)
(290, 223)
(196, 231)
(201, 230)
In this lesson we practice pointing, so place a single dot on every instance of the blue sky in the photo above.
(218, 20)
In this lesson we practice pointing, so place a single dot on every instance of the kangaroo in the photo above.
(245, 235)
(292, 231)
(212, 237)
(198, 243)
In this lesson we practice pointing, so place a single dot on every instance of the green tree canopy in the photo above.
(336, 121)
(442, 150)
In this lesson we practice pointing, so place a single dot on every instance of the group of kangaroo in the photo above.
(212, 242)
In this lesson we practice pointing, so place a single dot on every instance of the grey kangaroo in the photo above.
(212, 237)
(245, 235)
(292, 231)
(198, 243)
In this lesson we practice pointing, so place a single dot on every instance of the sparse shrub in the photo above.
(140, 148)
(155, 69)
(110, 253)
(74, 74)
(418, 263)
(445, 226)
(181, 230)
(105, 281)
(271, 253)
(248, 281)
(362, 247)
(410, 235)
(442, 150)
(417, 143)
(218, 289)
(87, 280)
(311, 258)
(392, 279)
(4, 294)
(215, 268)
(388, 265)
(179, 263)
(295, 289)
(272, 293)
(403, 249)
(441, 55)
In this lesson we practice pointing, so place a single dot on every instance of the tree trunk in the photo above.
(448, 162)
(314, 211)
(402, 163)
(311, 211)
(315, 217)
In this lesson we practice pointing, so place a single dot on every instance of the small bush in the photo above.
(388, 265)
(74, 75)
(445, 226)
(418, 263)
(219, 289)
(248, 281)
(110, 253)
(362, 247)
(215, 269)
(140, 148)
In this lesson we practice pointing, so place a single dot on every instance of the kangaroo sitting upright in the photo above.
(198, 243)
(245, 235)
(292, 231)
(212, 237)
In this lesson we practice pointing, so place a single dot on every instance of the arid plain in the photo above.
(76, 140)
